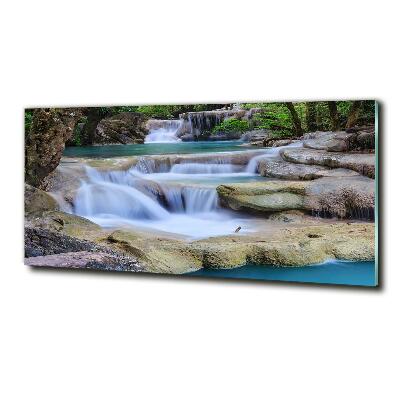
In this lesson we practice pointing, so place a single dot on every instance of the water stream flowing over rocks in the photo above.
(194, 195)
(176, 207)
(163, 131)
(153, 196)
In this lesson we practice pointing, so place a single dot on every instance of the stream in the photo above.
(181, 199)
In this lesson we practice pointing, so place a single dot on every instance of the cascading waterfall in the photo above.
(207, 120)
(147, 165)
(113, 194)
(190, 200)
(118, 198)
(272, 152)
(198, 168)
(164, 132)
(153, 194)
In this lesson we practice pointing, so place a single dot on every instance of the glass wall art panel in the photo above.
(278, 191)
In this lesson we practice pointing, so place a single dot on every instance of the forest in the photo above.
(282, 119)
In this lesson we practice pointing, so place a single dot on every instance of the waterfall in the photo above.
(252, 166)
(215, 164)
(112, 199)
(111, 193)
(205, 121)
(163, 131)
(150, 195)
(198, 168)
(190, 200)
(272, 152)
(199, 199)
(147, 165)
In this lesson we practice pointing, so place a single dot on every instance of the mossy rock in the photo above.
(37, 200)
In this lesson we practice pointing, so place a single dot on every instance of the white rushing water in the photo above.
(199, 168)
(113, 194)
(151, 201)
(165, 133)
(180, 199)
(272, 153)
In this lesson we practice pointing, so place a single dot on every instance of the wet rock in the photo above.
(53, 232)
(302, 245)
(41, 242)
(338, 173)
(270, 196)
(289, 171)
(366, 140)
(282, 244)
(223, 255)
(256, 143)
(357, 138)
(280, 142)
(64, 182)
(37, 200)
(188, 137)
(330, 141)
(45, 141)
(56, 232)
(290, 216)
(359, 162)
(351, 196)
(266, 202)
(257, 135)
(122, 128)
(286, 170)
(156, 253)
(86, 260)
(68, 224)
(225, 136)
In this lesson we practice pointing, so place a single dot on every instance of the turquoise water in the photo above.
(119, 150)
(331, 272)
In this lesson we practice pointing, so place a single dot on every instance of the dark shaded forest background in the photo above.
(282, 119)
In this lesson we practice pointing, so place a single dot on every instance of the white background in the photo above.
(75, 336)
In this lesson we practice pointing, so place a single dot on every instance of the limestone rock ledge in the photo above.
(351, 196)
(85, 260)
(277, 243)
(286, 170)
(363, 163)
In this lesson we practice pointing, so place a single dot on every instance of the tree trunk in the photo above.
(334, 115)
(94, 116)
(45, 140)
(353, 114)
(295, 118)
(311, 116)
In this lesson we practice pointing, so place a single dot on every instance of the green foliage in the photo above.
(231, 125)
(116, 110)
(170, 111)
(367, 113)
(28, 120)
(276, 118)
(156, 111)
(77, 139)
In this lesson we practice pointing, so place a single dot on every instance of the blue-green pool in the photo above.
(331, 272)
(119, 150)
